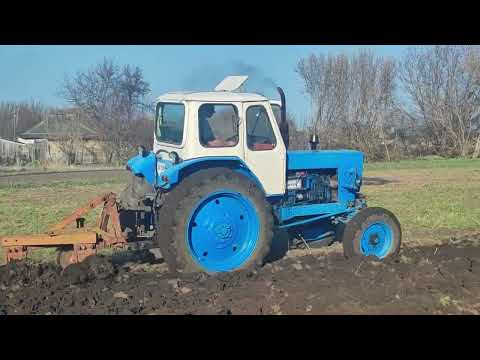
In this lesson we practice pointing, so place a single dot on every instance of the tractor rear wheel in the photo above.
(372, 232)
(215, 220)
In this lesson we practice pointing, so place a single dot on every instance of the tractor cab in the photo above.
(220, 124)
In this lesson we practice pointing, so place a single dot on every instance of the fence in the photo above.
(16, 153)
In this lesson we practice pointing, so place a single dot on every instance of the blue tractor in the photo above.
(220, 182)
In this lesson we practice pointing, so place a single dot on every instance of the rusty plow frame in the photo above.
(76, 244)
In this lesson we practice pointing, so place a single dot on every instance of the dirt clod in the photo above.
(120, 295)
(297, 267)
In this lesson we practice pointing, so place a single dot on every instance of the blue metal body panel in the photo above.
(286, 213)
(348, 163)
(147, 167)
(377, 240)
(314, 220)
(143, 166)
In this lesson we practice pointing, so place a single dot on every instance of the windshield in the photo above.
(169, 120)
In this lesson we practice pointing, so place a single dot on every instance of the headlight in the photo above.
(142, 151)
(161, 167)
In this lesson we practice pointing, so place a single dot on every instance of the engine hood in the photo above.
(325, 159)
(347, 163)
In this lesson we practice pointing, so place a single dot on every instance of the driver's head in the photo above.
(207, 111)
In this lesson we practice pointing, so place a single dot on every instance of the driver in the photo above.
(206, 112)
(207, 136)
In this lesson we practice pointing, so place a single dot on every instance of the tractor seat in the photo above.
(257, 146)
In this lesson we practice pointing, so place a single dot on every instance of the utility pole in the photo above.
(15, 121)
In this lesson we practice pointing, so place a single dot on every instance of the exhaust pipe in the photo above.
(284, 130)
(313, 141)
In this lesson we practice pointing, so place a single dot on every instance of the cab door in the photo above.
(265, 153)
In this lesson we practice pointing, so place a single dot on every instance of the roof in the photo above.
(231, 83)
(210, 96)
(55, 127)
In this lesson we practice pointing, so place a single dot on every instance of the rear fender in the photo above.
(169, 175)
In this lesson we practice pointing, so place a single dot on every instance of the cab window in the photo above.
(169, 122)
(277, 112)
(218, 125)
(260, 134)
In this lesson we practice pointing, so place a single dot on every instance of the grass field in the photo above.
(432, 198)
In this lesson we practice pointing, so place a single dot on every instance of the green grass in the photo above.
(436, 207)
(28, 210)
(32, 209)
(429, 195)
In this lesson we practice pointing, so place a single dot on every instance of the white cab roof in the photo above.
(210, 96)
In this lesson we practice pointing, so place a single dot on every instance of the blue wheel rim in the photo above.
(222, 231)
(377, 240)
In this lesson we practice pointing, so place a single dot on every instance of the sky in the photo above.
(35, 72)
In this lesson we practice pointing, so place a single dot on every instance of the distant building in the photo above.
(71, 138)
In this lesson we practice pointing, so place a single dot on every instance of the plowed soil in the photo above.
(422, 280)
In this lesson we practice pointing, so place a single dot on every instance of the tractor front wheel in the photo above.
(372, 232)
(215, 220)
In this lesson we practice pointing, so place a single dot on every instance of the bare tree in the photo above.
(443, 95)
(325, 80)
(353, 100)
(114, 97)
(67, 131)
(16, 118)
(298, 134)
(68, 128)
(472, 64)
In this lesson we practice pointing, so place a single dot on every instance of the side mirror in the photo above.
(313, 141)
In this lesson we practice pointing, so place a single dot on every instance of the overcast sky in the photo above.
(35, 72)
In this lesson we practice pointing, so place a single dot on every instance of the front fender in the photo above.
(143, 166)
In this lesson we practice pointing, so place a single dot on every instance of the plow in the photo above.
(74, 245)
(218, 184)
